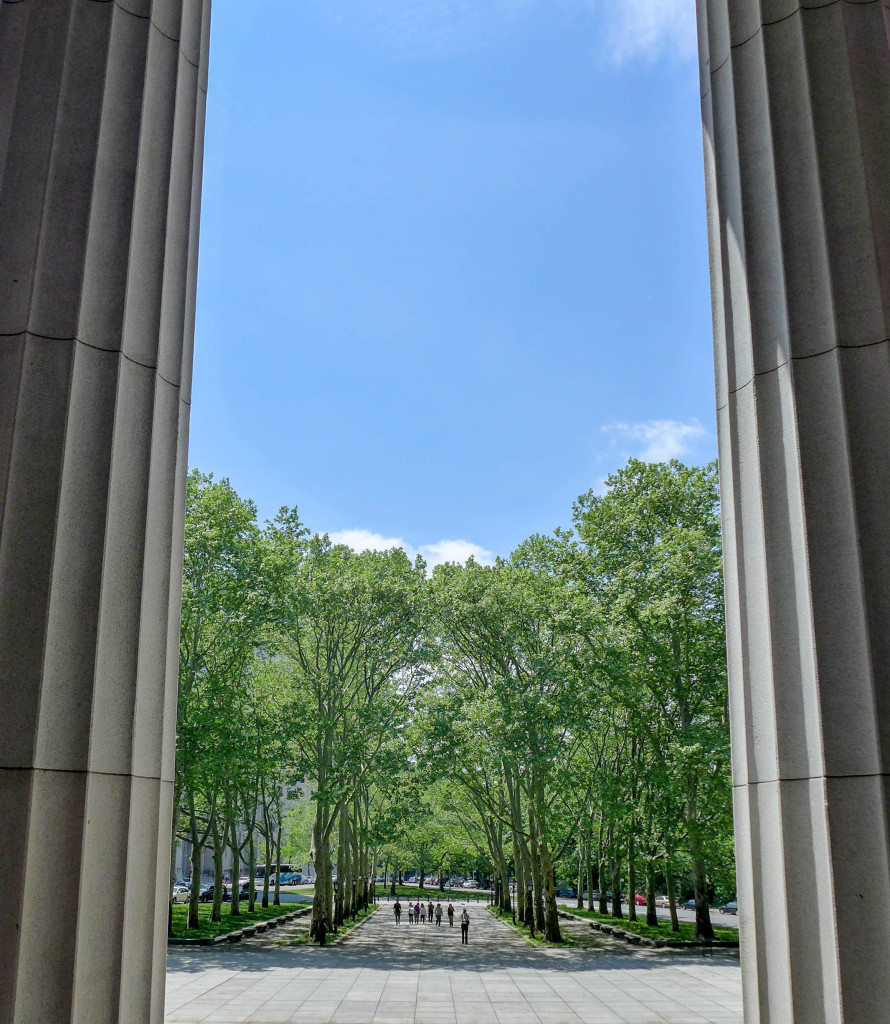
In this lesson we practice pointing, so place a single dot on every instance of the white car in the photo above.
(180, 894)
(469, 884)
(663, 902)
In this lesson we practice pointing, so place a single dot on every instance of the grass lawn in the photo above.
(228, 923)
(663, 931)
(537, 940)
(411, 892)
(433, 893)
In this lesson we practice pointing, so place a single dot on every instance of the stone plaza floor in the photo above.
(421, 974)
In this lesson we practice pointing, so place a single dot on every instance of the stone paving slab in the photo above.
(384, 973)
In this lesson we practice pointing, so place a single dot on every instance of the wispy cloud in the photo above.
(655, 440)
(629, 28)
(433, 554)
(650, 28)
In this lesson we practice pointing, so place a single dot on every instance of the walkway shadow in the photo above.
(381, 945)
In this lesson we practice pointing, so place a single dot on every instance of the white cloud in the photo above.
(649, 28)
(455, 551)
(656, 440)
(433, 554)
(365, 540)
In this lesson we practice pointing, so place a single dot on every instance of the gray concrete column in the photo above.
(796, 111)
(101, 124)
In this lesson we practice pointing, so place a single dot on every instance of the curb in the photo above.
(642, 940)
(241, 933)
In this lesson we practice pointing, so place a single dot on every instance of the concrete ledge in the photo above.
(642, 940)
(239, 933)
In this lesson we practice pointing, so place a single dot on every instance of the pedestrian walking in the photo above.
(450, 915)
(465, 928)
(439, 915)
(429, 912)
(423, 913)
(417, 913)
(397, 910)
(322, 930)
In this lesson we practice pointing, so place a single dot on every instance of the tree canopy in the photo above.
(560, 715)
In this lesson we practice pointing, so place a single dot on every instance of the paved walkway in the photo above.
(421, 974)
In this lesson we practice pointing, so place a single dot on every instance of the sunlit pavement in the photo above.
(401, 974)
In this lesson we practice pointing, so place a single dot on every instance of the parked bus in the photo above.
(288, 874)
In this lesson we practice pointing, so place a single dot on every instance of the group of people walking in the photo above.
(422, 912)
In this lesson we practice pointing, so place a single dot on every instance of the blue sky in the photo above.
(453, 261)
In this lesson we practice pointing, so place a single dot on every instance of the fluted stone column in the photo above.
(796, 111)
(101, 124)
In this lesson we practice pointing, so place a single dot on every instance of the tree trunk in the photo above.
(602, 872)
(251, 869)
(537, 886)
(267, 845)
(197, 850)
(236, 866)
(672, 893)
(504, 876)
(321, 855)
(703, 927)
(651, 915)
(523, 876)
(590, 885)
(530, 908)
(177, 795)
(219, 846)
(340, 894)
(631, 878)
(550, 910)
(579, 898)
(277, 899)
(616, 887)
(520, 877)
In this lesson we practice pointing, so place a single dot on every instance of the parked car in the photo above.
(469, 884)
(663, 901)
(730, 908)
(567, 892)
(208, 892)
(180, 894)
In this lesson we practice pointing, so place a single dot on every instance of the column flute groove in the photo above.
(101, 146)
(796, 134)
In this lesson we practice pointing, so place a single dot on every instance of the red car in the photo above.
(640, 900)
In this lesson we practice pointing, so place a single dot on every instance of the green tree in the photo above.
(652, 557)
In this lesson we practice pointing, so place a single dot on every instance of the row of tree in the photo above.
(564, 706)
